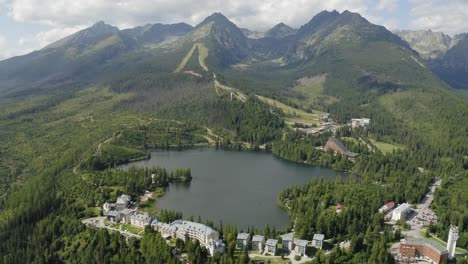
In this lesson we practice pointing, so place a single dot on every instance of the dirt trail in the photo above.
(233, 91)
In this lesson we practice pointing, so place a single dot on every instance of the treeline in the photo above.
(110, 155)
(251, 121)
(133, 181)
(303, 148)
(132, 143)
(450, 204)
(313, 206)
(162, 135)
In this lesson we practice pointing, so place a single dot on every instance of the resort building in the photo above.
(243, 240)
(360, 122)
(271, 246)
(317, 241)
(123, 201)
(288, 242)
(386, 207)
(140, 219)
(112, 216)
(196, 231)
(338, 148)
(300, 246)
(258, 242)
(401, 212)
(215, 246)
(122, 216)
(414, 249)
(167, 230)
(125, 215)
(207, 236)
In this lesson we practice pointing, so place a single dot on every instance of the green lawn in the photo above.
(293, 115)
(386, 147)
(312, 90)
(131, 229)
(444, 244)
(272, 259)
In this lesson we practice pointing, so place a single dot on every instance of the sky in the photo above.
(28, 25)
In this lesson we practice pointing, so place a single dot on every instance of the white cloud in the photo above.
(439, 15)
(259, 14)
(387, 5)
(3, 47)
(44, 38)
(65, 17)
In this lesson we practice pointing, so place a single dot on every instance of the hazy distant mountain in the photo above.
(447, 57)
(157, 32)
(452, 66)
(281, 30)
(252, 34)
(429, 44)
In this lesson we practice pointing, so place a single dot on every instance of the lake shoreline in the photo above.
(240, 188)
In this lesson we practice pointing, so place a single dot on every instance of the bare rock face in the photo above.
(429, 44)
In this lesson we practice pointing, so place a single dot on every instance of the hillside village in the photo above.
(124, 216)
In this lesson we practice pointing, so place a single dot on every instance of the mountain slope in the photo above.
(452, 67)
(331, 29)
(225, 41)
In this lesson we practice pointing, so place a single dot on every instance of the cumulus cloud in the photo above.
(439, 15)
(3, 47)
(65, 17)
(387, 5)
(45, 38)
(259, 14)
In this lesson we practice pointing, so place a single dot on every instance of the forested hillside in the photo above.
(71, 112)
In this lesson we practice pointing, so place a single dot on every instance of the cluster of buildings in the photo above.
(290, 244)
(360, 122)
(414, 249)
(338, 148)
(124, 211)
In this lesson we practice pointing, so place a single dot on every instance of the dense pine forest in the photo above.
(108, 97)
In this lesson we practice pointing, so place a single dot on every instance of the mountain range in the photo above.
(335, 62)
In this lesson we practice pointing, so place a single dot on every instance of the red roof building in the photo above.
(387, 207)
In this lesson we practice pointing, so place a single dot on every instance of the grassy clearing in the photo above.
(131, 229)
(293, 115)
(312, 91)
(386, 147)
(186, 59)
(202, 55)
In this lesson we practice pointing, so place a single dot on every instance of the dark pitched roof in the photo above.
(343, 149)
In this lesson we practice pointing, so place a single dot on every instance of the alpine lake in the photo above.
(237, 188)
